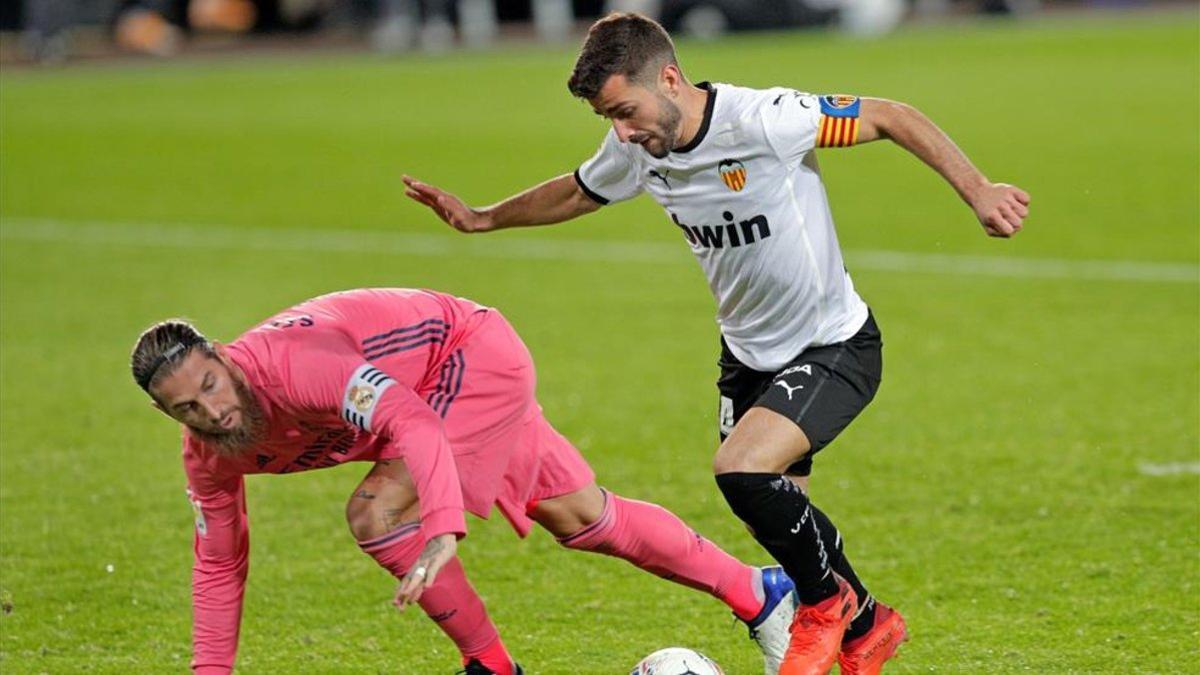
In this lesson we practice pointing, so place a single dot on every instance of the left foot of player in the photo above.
(770, 628)
(474, 667)
(817, 632)
(866, 654)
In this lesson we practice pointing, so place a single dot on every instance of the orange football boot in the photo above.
(866, 654)
(817, 633)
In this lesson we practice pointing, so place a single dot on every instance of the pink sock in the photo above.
(451, 601)
(657, 541)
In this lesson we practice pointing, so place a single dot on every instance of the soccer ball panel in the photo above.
(676, 661)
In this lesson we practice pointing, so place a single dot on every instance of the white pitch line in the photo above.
(1169, 469)
(449, 244)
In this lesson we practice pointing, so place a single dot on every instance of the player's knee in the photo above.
(374, 515)
(731, 458)
(569, 514)
(724, 462)
(360, 519)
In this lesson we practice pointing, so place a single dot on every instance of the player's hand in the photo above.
(1001, 209)
(447, 207)
(437, 552)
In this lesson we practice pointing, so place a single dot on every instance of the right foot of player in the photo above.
(474, 667)
(770, 629)
(866, 654)
(817, 633)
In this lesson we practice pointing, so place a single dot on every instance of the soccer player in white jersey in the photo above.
(736, 171)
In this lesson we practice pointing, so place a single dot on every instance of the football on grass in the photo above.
(677, 661)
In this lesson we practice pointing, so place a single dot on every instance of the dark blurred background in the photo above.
(52, 31)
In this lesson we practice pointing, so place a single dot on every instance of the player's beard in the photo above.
(669, 117)
(241, 438)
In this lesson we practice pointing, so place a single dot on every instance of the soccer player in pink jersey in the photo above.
(437, 392)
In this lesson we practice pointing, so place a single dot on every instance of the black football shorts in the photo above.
(820, 390)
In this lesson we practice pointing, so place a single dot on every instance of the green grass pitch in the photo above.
(1003, 490)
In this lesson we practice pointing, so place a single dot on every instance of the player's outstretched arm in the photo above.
(1000, 208)
(222, 546)
(554, 201)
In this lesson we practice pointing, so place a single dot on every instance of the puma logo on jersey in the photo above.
(790, 390)
(662, 176)
(805, 99)
(731, 234)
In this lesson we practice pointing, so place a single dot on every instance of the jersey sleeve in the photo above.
(796, 122)
(221, 547)
(611, 175)
(335, 378)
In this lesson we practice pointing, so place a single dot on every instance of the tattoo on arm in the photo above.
(363, 494)
(431, 551)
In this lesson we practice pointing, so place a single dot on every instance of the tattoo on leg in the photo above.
(392, 518)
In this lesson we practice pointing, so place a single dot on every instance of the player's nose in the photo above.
(211, 410)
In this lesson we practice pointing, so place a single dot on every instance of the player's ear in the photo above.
(670, 78)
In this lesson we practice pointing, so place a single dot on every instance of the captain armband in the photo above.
(839, 121)
(362, 394)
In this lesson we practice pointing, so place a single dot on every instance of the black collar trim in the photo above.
(708, 113)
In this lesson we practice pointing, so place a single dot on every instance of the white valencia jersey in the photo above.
(746, 194)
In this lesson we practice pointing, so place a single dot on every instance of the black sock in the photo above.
(841, 564)
(782, 520)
